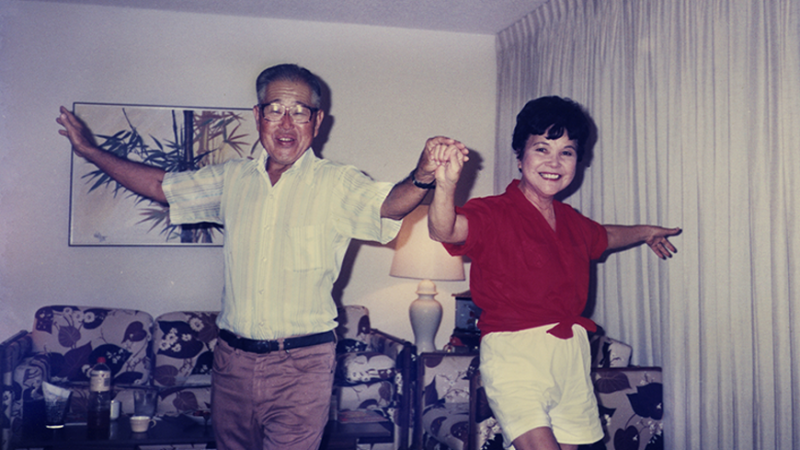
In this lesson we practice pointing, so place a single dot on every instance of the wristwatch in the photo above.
(421, 185)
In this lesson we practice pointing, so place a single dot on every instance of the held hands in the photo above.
(657, 240)
(444, 158)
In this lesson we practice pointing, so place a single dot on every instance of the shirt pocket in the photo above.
(307, 247)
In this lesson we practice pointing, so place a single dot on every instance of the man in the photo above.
(289, 217)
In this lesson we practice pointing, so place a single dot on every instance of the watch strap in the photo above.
(420, 184)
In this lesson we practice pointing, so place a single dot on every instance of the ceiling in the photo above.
(465, 16)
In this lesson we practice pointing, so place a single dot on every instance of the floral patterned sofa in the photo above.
(174, 354)
(455, 413)
(64, 344)
(372, 382)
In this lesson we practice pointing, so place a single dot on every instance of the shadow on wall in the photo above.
(327, 123)
(468, 177)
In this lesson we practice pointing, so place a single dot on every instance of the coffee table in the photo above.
(346, 436)
(182, 430)
(168, 430)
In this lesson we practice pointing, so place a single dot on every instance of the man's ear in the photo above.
(318, 117)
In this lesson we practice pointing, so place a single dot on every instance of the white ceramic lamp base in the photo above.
(426, 315)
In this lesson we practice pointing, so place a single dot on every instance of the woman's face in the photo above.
(548, 166)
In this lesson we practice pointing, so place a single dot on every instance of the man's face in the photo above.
(284, 140)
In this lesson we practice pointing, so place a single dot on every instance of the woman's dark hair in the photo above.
(289, 72)
(552, 115)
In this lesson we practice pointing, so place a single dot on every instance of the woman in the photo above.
(530, 274)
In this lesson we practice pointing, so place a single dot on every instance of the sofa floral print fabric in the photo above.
(367, 381)
(184, 343)
(445, 400)
(73, 339)
(67, 340)
(629, 400)
(189, 341)
(631, 408)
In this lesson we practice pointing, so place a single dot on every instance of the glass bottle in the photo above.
(99, 408)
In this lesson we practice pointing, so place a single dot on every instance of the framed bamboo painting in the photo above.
(103, 212)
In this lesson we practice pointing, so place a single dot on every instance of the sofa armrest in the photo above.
(15, 352)
(387, 344)
(442, 378)
(631, 405)
(20, 364)
(483, 426)
(12, 351)
(402, 352)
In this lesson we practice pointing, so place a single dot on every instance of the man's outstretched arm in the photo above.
(140, 178)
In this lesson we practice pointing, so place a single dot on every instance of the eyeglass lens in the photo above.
(274, 112)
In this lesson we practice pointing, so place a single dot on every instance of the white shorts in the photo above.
(534, 379)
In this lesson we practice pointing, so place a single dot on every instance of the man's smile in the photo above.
(285, 139)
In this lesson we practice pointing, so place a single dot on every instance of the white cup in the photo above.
(140, 424)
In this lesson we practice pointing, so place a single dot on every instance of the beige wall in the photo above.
(391, 89)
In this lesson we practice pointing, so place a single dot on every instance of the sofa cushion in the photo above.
(447, 378)
(183, 343)
(353, 329)
(73, 337)
(364, 367)
(448, 423)
(631, 407)
(192, 400)
(609, 352)
(367, 396)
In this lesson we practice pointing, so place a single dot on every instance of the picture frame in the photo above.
(173, 138)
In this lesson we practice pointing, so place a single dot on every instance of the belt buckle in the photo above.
(274, 346)
(264, 347)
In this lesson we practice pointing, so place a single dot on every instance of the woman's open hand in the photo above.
(658, 242)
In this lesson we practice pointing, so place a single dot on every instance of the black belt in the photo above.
(256, 346)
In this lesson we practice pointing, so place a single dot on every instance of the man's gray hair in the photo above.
(289, 72)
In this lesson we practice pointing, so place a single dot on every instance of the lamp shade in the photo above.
(418, 256)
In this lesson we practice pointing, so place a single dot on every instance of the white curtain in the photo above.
(697, 103)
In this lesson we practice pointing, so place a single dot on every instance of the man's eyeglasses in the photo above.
(274, 112)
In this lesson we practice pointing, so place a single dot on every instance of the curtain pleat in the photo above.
(697, 107)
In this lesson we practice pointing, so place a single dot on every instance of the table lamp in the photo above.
(417, 256)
